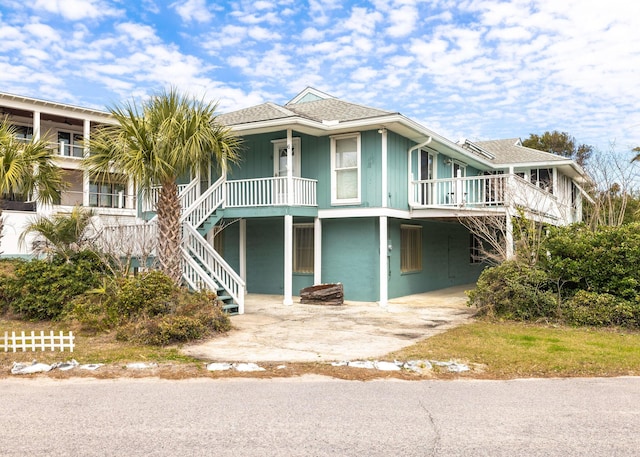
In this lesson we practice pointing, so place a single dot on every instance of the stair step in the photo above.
(231, 308)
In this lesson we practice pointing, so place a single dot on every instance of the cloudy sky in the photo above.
(478, 69)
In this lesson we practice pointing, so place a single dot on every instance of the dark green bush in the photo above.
(149, 294)
(148, 309)
(514, 291)
(594, 309)
(581, 277)
(196, 316)
(40, 289)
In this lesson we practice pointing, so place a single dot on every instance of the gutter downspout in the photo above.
(409, 151)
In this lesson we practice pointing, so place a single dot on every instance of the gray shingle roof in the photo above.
(333, 109)
(330, 109)
(263, 112)
(511, 151)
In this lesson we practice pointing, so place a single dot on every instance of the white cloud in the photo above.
(192, 10)
(76, 10)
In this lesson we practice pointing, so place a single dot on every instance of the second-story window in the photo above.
(108, 194)
(543, 178)
(345, 169)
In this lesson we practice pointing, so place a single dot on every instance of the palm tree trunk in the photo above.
(169, 231)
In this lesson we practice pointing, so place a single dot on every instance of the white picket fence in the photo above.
(34, 342)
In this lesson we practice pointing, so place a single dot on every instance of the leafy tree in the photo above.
(27, 168)
(560, 143)
(155, 142)
(63, 234)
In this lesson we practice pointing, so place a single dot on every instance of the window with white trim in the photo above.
(303, 248)
(345, 169)
(410, 248)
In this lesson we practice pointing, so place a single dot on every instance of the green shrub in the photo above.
(149, 294)
(595, 309)
(148, 309)
(41, 288)
(514, 291)
(196, 316)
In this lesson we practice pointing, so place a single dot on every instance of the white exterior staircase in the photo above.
(202, 266)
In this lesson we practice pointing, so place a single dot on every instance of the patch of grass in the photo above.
(512, 350)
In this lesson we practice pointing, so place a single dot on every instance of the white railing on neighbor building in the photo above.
(129, 240)
(484, 191)
(269, 192)
(118, 200)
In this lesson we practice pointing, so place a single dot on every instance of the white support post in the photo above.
(317, 251)
(288, 260)
(384, 186)
(384, 262)
(243, 250)
(290, 167)
(36, 125)
(86, 135)
(509, 235)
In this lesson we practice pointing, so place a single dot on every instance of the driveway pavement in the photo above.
(270, 331)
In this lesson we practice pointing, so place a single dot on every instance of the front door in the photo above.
(280, 168)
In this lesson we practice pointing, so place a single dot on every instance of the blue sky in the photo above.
(477, 69)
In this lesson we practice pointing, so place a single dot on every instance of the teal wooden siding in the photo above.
(397, 171)
(350, 256)
(445, 259)
(265, 256)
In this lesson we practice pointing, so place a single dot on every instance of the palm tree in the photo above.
(27, 168)
(63, 234)
(155, 142)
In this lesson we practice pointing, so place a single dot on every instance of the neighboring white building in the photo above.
(66, 127)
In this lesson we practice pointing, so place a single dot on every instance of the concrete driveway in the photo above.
(270, 331)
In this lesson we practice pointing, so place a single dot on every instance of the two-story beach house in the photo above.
(327, 191)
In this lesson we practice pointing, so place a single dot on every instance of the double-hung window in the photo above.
(410, 248)
(303, 248)
(345, 169)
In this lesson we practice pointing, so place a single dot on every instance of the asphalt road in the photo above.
(314, 416)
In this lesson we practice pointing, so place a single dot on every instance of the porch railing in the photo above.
(270, 192)
(483, 191)
(117, 200)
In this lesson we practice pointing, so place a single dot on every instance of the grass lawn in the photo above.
(494, 350)
(502, 350)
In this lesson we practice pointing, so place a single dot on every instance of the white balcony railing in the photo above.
(270, 192)
(118, 200)
(243, 193)
(483, 191)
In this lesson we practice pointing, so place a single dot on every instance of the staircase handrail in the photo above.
(214, 196)
(202, 275)
(189, 194)
(215, 264)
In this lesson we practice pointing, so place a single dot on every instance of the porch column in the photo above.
(384, 262)
(243, 250)
(317, 251)
(290, 167)
(288, 260)
(36, 125)
(384, 186)
(86, 135)
(509, 235)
